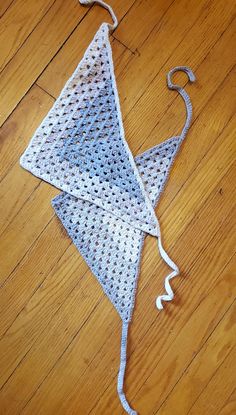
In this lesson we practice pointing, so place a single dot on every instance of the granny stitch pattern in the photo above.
(110, 246)
(108, 199)
(80, 147)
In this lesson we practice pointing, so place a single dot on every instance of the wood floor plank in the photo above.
(41, 307)
(25, 228)
(186, 344)
(13, 197)
(203, 367)
(217, 390)
(165, 104)
(16, 186)
(19, 128)
(39, 266)
(148, 14)
(45, 41)
(229, 405)
(4, 5)
(162, 43)
(17, 24)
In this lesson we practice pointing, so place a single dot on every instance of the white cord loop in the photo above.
(107, 7)
(185, 69)
(184, 94)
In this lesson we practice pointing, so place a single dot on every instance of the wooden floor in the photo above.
(60, 336)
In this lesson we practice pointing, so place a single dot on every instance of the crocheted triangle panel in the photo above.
(111, 247)
(80, 146)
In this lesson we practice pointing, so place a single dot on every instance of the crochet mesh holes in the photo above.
(88, 177)
(95, 144)
(86, 124)
(65, 104)
(154, 166)
(106, 241)
(83, 83)
(77, 109)
(109, 246)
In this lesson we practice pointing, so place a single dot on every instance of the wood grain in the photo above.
(4, 5)
(17, 24)
(59, 334)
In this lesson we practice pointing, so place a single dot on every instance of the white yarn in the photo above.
(121, 374)
(169, 292)
(106, 6)
(86, 2)
(170, 295)
(183, 94)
